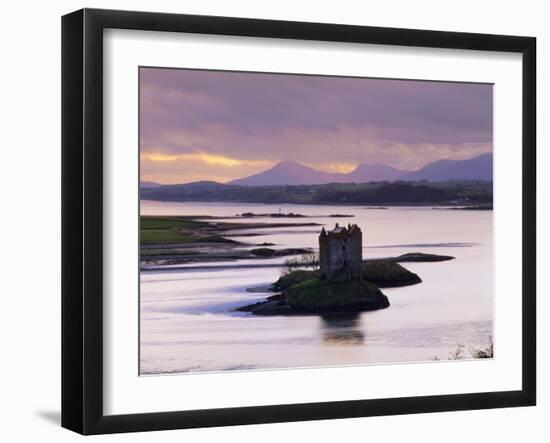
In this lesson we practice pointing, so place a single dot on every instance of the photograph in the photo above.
(300, 221)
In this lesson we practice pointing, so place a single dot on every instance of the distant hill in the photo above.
(205, 185)
(289, 173)
(377, 172)
(146, 184)
(379, 193)
(477, 168)
(293, 173)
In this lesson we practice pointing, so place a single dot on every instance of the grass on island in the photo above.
(168, 230)
(383, 273)
(295, 277)
(317, 294)
(387, 274)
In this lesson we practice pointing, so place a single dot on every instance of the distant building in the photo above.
(341, 252)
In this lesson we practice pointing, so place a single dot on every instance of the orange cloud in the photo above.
(211, 159)
(343, 168)
(163, 167)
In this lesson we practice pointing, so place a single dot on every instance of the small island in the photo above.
(271, 214)
(343, 282)
(287, 215)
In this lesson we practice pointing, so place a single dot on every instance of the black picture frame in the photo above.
(82, 218)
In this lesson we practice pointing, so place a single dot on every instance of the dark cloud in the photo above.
(273, 116)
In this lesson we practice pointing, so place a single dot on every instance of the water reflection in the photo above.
(342, 329)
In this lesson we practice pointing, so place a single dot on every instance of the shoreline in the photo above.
(403, 258)
(380, 205)
(168, 241)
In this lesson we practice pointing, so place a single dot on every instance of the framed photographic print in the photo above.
(268, 221)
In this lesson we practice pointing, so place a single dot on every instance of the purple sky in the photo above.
(207, 125)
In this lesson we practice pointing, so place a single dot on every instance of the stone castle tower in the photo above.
(341, 253)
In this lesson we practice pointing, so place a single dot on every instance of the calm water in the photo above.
(188, 323)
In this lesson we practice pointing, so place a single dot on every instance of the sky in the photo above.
(215, 125)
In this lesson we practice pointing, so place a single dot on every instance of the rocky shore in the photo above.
(318, 297)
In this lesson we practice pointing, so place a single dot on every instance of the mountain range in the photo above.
(294, 173)
(145, 184)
